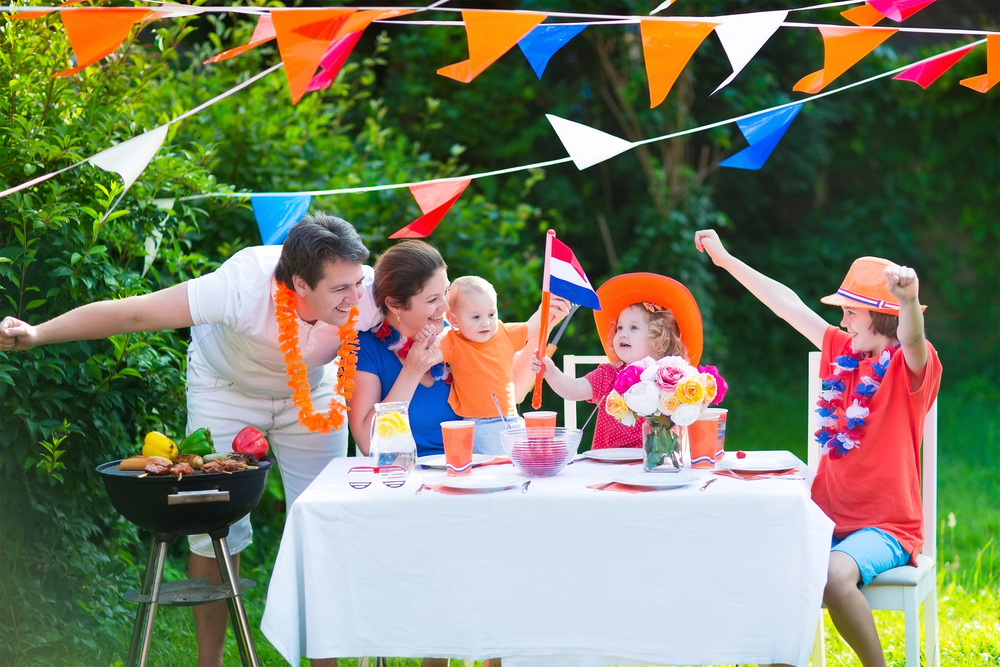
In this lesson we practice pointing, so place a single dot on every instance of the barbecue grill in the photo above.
(169, 506)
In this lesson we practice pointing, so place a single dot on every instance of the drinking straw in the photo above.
(500, 412)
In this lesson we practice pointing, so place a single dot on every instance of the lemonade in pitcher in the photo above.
(392, 442)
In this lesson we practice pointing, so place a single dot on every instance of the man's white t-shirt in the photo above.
(235, 336)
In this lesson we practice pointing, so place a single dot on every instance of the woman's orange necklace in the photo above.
(298, 380)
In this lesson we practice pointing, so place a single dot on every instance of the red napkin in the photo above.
(625, 488)
(749, 476)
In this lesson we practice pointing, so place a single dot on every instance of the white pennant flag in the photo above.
(129, 158)
(743, 35)
(585, 145)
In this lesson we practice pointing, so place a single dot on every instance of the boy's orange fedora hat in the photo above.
(622, 291)
(864, 287)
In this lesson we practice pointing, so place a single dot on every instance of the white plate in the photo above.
(476, 482)
(651, 480)
(759, 466)
(615, 455)
(438, 460)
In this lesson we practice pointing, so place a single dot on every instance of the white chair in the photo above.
(570, 362)
(901, 588)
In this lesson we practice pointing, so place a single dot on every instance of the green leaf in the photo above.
(34, 303)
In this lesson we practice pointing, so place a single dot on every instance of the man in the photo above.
(236, 370)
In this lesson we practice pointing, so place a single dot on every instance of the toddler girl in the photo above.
(656, 317)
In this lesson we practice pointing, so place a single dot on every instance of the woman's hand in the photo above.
(707, 240)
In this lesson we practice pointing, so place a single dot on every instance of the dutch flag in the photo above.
(565, 278)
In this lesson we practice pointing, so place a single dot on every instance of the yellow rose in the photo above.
(669, 403)
(710, 387)
(615, 405)
(690, 390)
(390, 425)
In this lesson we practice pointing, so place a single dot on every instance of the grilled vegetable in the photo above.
(199, 442)
(250, 441)
(216, 456)
(192, 460)
(157, 444)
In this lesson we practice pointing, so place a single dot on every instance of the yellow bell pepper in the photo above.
(157, 444)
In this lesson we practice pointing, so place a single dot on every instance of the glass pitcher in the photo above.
(392, 442)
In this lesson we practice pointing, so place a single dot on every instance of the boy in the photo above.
(881, 377)
(480, 352)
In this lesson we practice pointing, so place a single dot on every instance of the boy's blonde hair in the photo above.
(469, 285)
(664, 334)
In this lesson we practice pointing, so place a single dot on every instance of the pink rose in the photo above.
(720, 384)
(628, 377)
(667, 377)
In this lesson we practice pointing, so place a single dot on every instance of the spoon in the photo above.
(500, 412)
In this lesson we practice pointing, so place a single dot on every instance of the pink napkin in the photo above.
(499, 460)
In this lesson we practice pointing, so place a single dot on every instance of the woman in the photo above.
(410, 288)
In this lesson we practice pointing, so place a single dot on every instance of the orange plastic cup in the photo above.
(540, 419)
(720, 438)
(703, 435)
(458, 437)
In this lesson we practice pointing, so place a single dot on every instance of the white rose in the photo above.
(686, 414)
(649, 374)
(643, 398)
(628, 419)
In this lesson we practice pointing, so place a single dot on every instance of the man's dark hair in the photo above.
(884, 324)
(315, 241)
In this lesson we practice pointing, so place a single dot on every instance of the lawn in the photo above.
(968, 554)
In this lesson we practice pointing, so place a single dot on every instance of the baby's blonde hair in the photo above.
(469, 285)
(664, 333)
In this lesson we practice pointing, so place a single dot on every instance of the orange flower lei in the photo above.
(298, 381)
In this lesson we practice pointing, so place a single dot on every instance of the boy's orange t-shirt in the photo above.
(481, 369)
(877, 483)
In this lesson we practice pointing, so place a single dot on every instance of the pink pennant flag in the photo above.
(898, 10)
(926, 73)
(333, 60)
(434, 200)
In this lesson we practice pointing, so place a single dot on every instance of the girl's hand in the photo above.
(545, 364)
(707, 240)
(902, 282)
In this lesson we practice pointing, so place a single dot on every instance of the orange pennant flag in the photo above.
(667, 46)
(984, 82)
(490, 34)
(434, 200)
(263, 32)
(360, 20)
(38, 13)
(844, 48)
(863, 15)
(96, 32)
(303, 38)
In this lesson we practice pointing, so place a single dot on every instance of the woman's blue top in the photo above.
(429, 405)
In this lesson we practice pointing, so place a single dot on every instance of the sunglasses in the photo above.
(361, 477)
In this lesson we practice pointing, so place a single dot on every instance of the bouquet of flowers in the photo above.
(664, 393)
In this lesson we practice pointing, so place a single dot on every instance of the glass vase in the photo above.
(664, 446)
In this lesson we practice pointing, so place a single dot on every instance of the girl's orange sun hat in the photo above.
(622, 291)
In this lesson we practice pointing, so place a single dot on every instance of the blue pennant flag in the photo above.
(539, 45)
(276, 215)
(763, 131)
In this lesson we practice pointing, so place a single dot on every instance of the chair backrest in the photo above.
(928, 473)
(570, 362)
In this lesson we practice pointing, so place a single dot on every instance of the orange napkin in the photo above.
(753, 476)
(625, 488)
(500, 460)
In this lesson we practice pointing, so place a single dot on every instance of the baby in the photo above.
(480, 350)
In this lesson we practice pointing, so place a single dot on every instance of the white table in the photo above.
(561, 575)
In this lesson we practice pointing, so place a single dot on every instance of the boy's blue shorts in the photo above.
(874, 550)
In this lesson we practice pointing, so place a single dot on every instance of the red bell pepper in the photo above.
(250, 441)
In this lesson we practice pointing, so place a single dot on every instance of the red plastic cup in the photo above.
(458, 437)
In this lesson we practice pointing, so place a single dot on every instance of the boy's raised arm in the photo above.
(903, 284)
(785, 303)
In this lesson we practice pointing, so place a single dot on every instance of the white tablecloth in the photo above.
(561, 575)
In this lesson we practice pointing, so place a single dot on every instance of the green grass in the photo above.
(968, 544)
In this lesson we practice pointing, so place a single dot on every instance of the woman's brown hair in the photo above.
(402, 271)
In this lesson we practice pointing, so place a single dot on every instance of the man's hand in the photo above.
(902, 282)
(17, 335)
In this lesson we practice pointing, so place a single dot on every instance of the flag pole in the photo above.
(543, 327)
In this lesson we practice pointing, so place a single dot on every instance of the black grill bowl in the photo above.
(145, 501)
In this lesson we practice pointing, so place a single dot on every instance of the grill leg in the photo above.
(160, 548)
(237, 614)
(140, 613)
